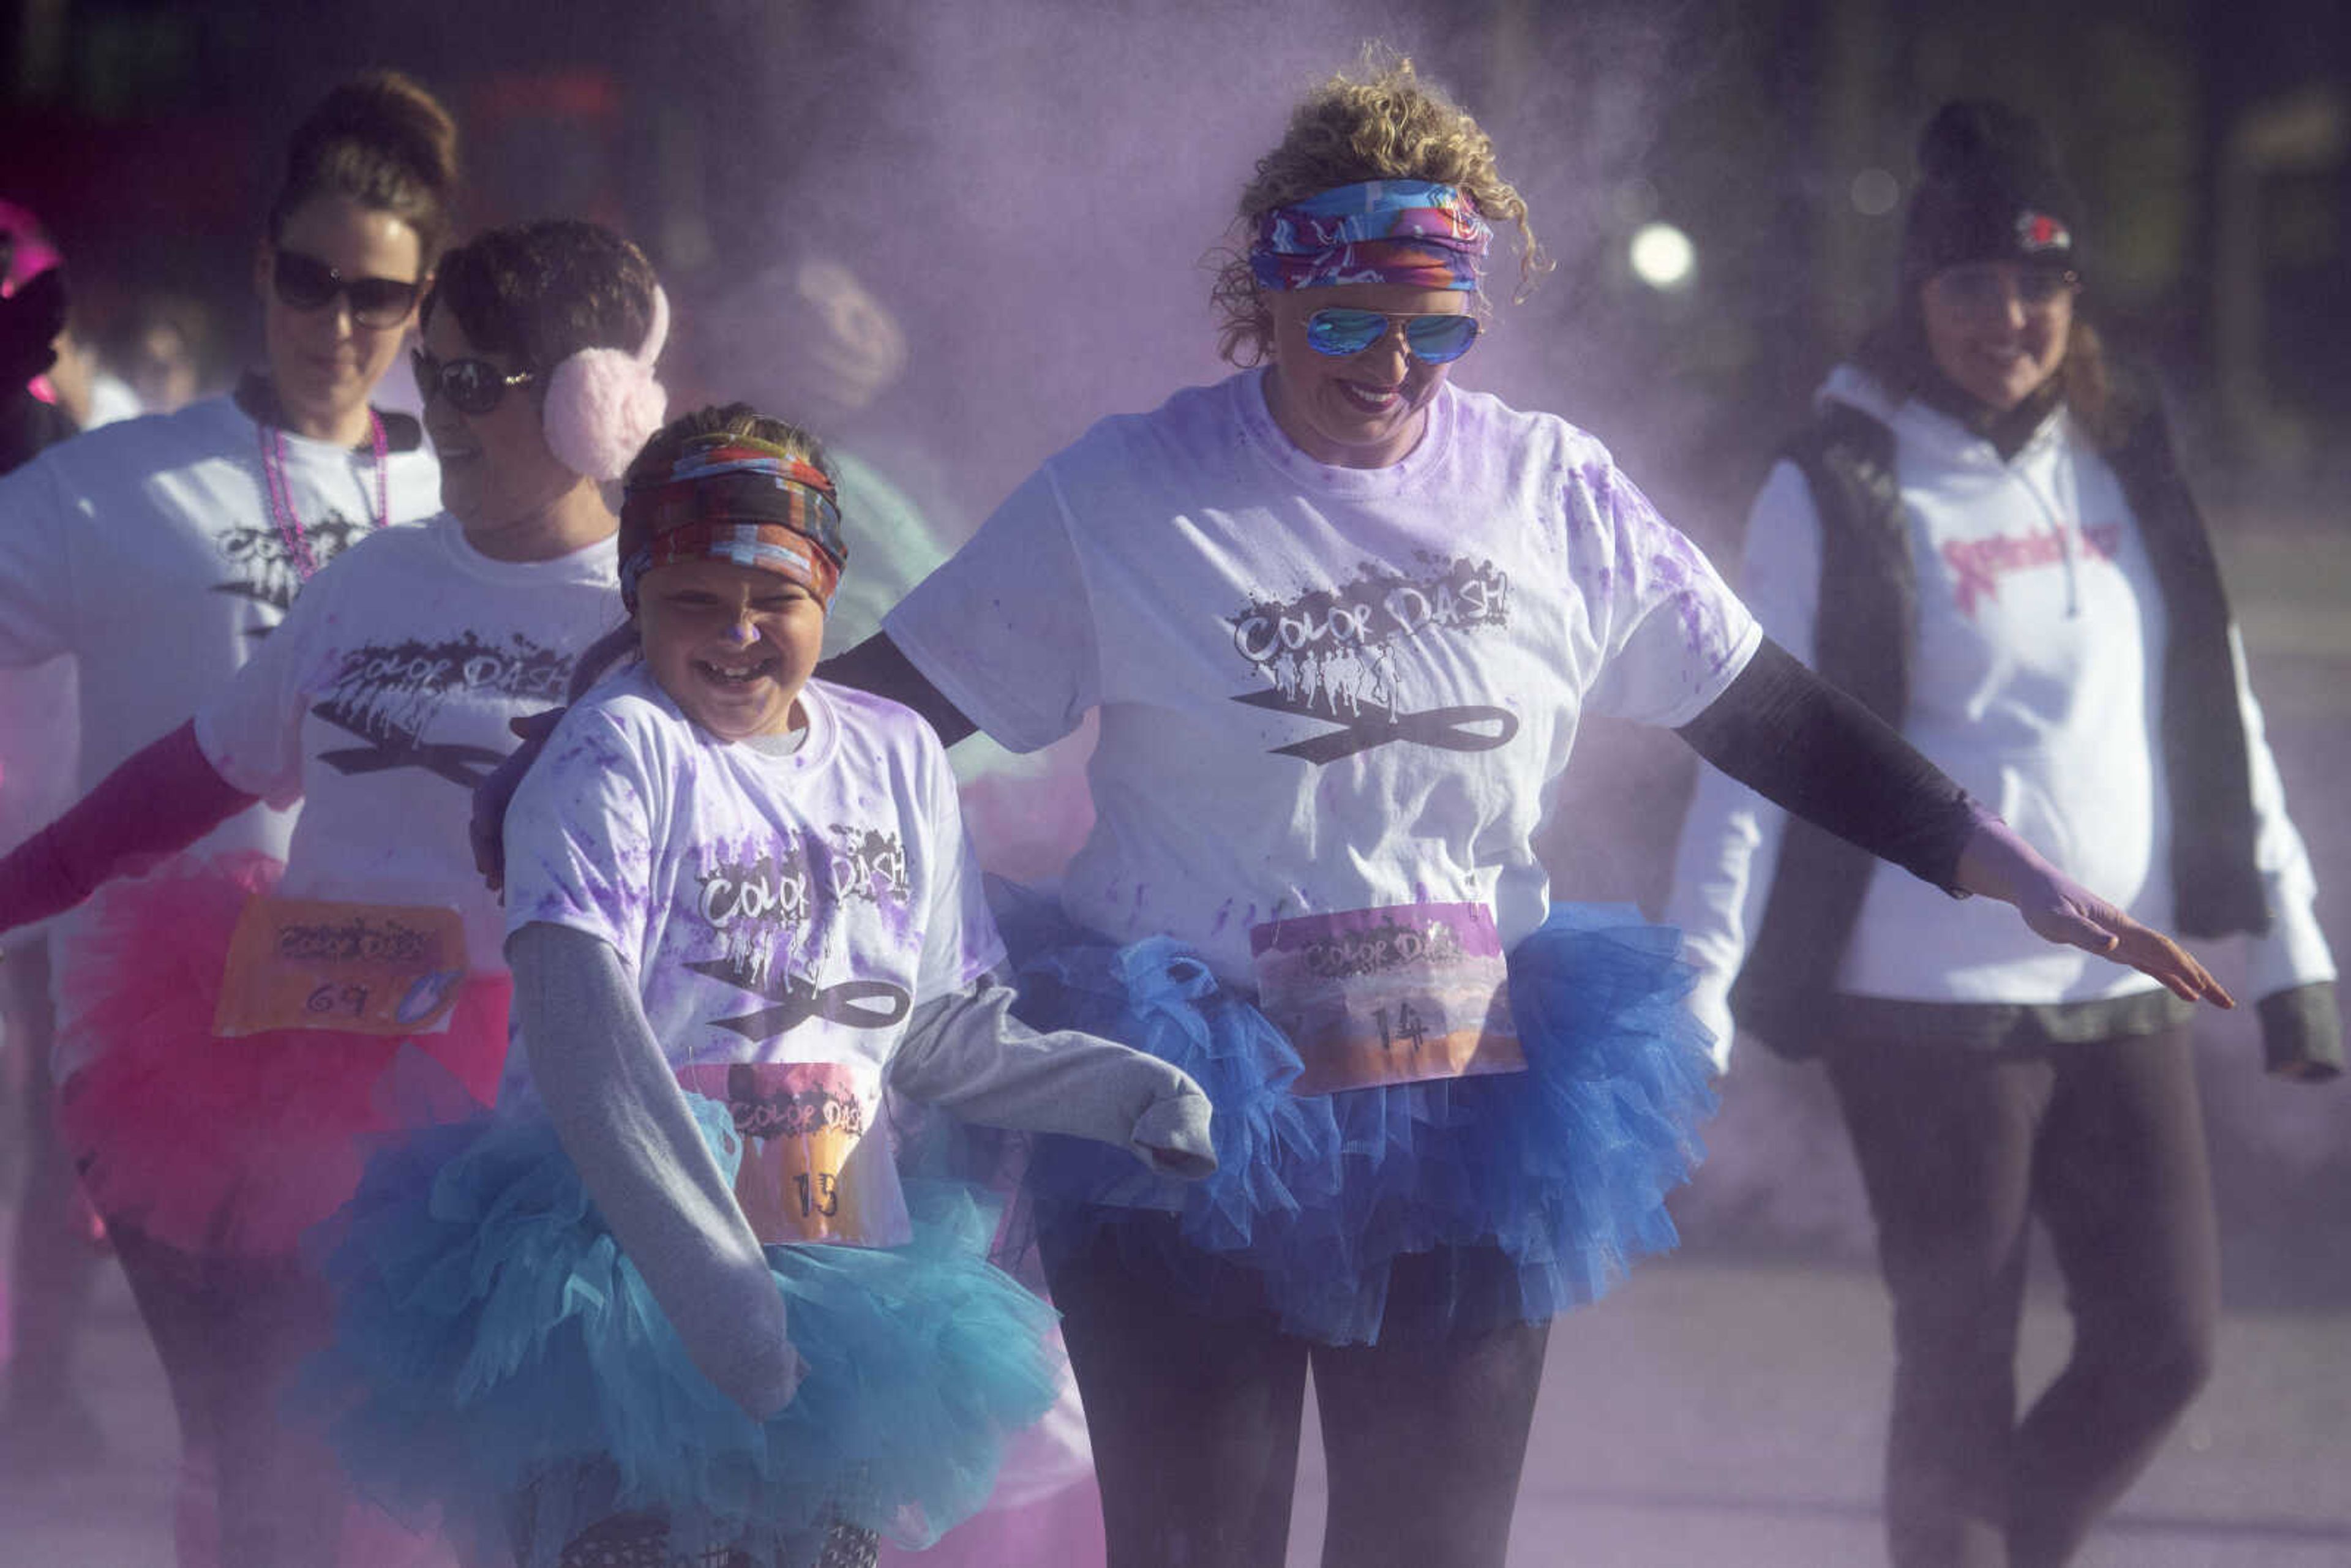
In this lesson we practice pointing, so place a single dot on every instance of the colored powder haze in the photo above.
(1031, 190)
(1048, 186)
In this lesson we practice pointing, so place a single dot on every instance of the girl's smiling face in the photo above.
(732, 646)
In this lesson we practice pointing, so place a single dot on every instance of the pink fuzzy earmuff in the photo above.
(602, 404)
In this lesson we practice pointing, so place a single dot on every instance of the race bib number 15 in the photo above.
(800, 1122)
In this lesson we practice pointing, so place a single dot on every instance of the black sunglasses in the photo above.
(472, 386)
(306, 283)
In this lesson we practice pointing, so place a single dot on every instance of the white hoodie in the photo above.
(2035, 684)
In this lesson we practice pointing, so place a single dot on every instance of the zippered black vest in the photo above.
(1867, 636)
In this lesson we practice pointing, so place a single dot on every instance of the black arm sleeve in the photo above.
(876, 665)
(1801, 742)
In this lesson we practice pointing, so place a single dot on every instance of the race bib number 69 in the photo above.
(357, 968)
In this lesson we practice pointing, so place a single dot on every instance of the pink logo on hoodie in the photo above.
(1978, 565)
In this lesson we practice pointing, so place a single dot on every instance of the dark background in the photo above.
(1032, 185)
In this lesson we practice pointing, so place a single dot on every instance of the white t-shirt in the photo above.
(1321, 689)
(383, 700)
(773, 908)
(146, 552)
(146, 549)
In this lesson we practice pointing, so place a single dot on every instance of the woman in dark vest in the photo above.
(1986, 541)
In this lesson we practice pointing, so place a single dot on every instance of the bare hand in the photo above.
(2063, 910)
(2000, 864)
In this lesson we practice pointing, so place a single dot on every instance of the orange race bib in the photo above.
(359, 968)
(800, 1122)
(1395, 995)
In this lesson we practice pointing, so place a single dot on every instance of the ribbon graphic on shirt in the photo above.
(390, 695)
(1332, 654)
(467, 765)
(1445, 728)
(798, 1000)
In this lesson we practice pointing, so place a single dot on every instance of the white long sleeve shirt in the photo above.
(2035, 684)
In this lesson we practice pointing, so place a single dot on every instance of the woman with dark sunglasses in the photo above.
(161, 553)
(1342, 620)
(265, 1030)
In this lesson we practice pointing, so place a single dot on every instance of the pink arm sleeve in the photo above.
(161, 800)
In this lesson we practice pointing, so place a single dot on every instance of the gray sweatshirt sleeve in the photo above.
(622, 1118)
(967, 1054)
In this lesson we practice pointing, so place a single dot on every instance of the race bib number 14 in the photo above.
(1395, 995)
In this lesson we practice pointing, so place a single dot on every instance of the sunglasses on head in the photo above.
(472, 386)
(306, 283)
(1434, 339)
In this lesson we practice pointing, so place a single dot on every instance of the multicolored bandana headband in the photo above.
(1411, 231)
(734, 498)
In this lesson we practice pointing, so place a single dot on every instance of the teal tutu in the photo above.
(492, 1343)
(1563, 1170)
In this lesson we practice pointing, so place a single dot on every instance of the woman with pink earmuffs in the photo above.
(273, 1026)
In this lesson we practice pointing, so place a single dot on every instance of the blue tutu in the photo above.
(492, 1342)
(1563, 1169)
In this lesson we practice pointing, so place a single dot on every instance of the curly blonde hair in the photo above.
(1386, 124)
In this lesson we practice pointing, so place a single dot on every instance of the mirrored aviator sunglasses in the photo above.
(1434, 339)
(306, 283)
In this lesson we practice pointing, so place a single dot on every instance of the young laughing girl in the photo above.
(674, 1303)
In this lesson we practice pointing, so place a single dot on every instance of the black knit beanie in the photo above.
(1990, 191)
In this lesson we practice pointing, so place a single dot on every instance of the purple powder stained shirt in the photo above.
(1321, 689)
(772, 908)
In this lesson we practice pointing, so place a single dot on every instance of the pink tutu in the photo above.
(233, 1146)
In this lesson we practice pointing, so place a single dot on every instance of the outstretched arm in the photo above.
(159, 801)
(1803, 745)
(966, 1054)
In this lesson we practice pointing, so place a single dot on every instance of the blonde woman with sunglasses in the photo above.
(1342, 620)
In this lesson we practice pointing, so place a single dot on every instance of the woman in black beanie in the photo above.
(1989, 544)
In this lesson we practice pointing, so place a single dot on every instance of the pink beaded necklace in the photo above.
(290, 531)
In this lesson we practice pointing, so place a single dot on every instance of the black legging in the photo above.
(1960, 1149)
(1194, 1421)
(230, 1332)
